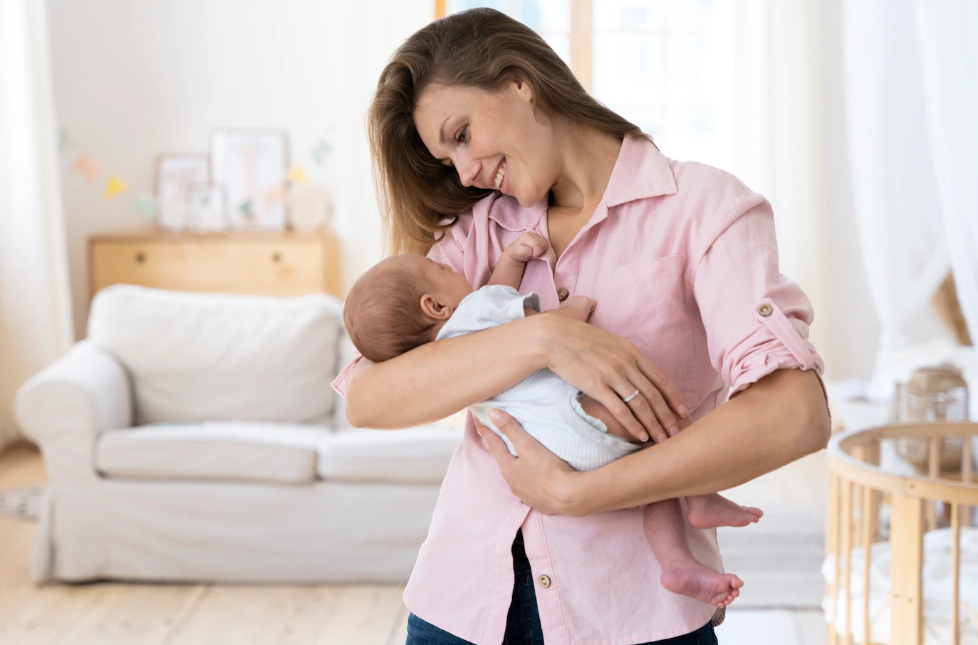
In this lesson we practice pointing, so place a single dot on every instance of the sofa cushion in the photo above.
(198, 357)
(412, 456)
(219, 450)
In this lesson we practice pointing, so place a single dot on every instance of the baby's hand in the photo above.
(527, 247)
(585, 304)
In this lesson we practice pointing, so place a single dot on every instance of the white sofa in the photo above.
(195, 437)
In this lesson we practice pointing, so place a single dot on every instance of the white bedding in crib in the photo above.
(937, 590)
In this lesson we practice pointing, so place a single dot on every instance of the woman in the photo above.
(480, 132)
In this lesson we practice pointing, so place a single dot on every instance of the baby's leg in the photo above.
(711, 511)
(681, 572)
(705, 511)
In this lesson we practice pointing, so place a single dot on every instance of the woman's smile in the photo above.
(500, 174)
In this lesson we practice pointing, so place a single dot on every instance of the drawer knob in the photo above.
(140, 257)
(276, 257)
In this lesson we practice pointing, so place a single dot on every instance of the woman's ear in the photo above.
(434, 307)
(524, 90)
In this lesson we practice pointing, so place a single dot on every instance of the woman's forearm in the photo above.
(775, 421)
(438, 379)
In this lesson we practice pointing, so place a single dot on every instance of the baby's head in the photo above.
(401, 303)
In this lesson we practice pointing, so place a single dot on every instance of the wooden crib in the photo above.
(859, 491)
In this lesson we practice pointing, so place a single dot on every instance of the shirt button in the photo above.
(562, 293)
(765, 310)
(545, 581)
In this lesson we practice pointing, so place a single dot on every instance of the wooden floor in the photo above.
(143, 614)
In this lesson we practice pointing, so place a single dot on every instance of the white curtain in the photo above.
(948, 33)
(777, 151)
(900, 198)
(35, 302)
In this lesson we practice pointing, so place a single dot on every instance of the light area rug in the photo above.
(779, 559)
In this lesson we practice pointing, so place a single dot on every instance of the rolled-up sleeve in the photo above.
(446, 251)
(756, 320)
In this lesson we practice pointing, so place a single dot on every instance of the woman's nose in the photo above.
(468, 171)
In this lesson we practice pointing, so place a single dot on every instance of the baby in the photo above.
(408, 300)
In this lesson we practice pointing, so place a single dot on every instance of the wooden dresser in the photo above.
(258, 263)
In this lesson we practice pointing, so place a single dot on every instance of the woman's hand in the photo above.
(609, 368)
(538, 477)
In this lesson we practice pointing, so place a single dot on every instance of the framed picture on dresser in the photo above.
(251, 165)
(176, 174)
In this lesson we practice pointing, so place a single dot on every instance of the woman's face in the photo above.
(495, 140)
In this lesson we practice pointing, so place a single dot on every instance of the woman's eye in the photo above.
(463, 135)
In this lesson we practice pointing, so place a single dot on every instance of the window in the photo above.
(665, 65)
(549, 18)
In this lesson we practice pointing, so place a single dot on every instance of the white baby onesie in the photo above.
(543, 403)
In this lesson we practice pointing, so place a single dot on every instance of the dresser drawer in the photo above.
(287, 266)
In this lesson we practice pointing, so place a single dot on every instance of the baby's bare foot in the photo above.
(711, 511)
(702, 583)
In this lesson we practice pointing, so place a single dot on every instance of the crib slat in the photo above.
(933, 470)
(832, 546)
(847, 552)
(907, 540)
(867, 535)
(896, 580)
(955, 570)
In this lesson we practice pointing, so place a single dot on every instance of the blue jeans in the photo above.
(523, 621)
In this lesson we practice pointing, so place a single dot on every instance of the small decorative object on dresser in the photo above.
(258, 263)
(310, 207)
(251, 164)
(175, 175)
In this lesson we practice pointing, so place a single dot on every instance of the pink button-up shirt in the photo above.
(681, 259)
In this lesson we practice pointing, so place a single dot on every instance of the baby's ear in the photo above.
(433, 307)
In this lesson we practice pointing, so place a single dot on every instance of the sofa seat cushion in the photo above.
(412, 456)
(214, 450)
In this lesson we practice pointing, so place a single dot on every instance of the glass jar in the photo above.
(934, 394)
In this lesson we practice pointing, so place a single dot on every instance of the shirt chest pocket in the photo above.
(644, 301)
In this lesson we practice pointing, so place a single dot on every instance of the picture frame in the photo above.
(175, 174)
(252, 165)
(207, 208)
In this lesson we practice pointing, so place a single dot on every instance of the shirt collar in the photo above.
(640, 171)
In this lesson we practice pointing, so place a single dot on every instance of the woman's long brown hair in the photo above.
(479, 48)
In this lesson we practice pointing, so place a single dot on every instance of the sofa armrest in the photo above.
(84, 392)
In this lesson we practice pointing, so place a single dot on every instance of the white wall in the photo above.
(134, 78)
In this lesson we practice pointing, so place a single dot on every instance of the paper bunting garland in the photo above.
(320, 152)
(114, 186)
(145, 205)
(85, 165)
(65, 142)
(297, 174)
